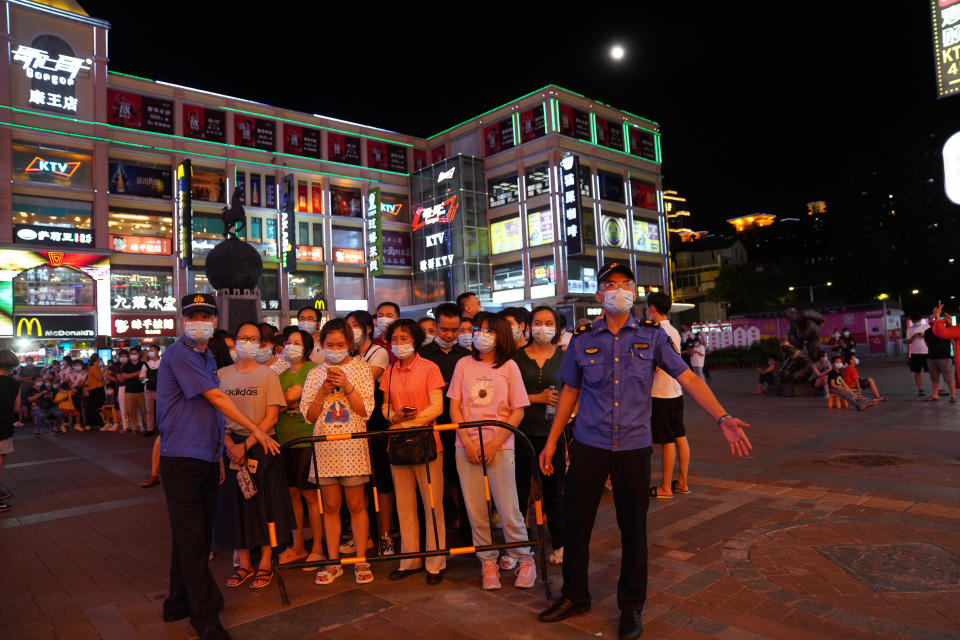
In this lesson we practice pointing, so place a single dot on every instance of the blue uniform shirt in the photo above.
(615, 374)
(190, 427)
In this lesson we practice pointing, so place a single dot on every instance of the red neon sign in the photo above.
(443, 212)
(65, 169)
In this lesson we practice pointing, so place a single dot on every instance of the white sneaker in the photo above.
(507, 563)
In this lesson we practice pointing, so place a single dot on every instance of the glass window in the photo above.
(52, 212)
(586, 182)
(538, 180)
(349, 287)
(256, 228)
(271, 230)
(646, 236)
(395, 208)
(317, 235)
(303, 233)
(582, 275)
(306, 288)
(141, 289)
(611, 186)
(543, 271)
(60, 166)
(269, 290)
(613, 231)
(396, 249)
(347, 238)
(200, 283)
(393, 289)
(649, 274)
(144, 232)
(208, 185)
(508, 276)
(540, 227)
(505, 235)
(503, 190)
(46, 285)
(346, 202)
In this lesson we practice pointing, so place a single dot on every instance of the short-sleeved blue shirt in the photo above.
(190, 427)
(615, 374)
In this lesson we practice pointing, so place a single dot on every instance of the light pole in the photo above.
(811, 287)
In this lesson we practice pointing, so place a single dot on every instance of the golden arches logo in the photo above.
(30, 322)
(319, 305)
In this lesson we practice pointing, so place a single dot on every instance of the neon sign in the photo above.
(374, 232)
(570, 201)
(446, 175)
(40, 66)
(443, 212)
(65, 169)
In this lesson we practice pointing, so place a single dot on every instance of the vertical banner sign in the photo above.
(185, 213)
(287, 239)
(570, 201)
(374, 232)
(946, 45)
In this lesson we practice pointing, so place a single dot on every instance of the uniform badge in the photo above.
(641, 345)
(583, 328)
(591, 350)
(670, 340)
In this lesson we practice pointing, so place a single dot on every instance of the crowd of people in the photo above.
(225, 402)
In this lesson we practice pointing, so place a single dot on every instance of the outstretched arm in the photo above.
(731, 427)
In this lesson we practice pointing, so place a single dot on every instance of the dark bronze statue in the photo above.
(804, 332)
(234, 217)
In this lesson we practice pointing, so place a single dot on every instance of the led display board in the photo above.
(945, 15)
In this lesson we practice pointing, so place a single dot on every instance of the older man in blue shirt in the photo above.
(609, 367)
(190, 410)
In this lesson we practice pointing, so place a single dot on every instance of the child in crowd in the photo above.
(64, 402)
(840, 388)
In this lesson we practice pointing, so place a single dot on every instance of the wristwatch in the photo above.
(721, 419)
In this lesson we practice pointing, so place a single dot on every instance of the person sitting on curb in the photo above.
(851, 376)
(819, 372)
(766, 376)
(840, 388)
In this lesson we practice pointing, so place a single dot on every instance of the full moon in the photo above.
(616, 52)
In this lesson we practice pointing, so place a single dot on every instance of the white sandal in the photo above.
(328, 574)
(556, 556)
(362, 573)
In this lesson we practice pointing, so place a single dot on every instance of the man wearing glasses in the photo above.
(609, 367)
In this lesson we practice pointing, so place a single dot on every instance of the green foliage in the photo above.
(755, 355)
(746, 288)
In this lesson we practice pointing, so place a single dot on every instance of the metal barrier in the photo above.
(450, 551)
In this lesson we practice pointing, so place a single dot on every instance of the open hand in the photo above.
(269, 445)
(546, 458)
(732, 429)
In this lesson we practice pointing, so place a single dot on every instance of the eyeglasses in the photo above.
(628, 285)
(484, 332)
(249, 340)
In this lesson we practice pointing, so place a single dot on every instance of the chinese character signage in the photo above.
(341, 148)
(348, 256)
(575, 123)
(442, 212)
(60, 236)
(52, 68)
(392, 157)
(642, 144)
(37, 164)
(140, 244)
(571, 218)
(133, 180)
(183, 222)
(139, 112)
(374, 232)
(396, 249)
(287, 238)
(58, 326)
(254, 132)
(946, 45)
(498, 137)
(204, 124)
(143, 326)
(309, 253)
(301, 141)
(147, 304)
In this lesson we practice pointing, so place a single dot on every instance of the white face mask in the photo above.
(617, 302)
(151, 355)
(517, 334)
(134, 357)
(544, 335)
(293, 352)
(264, 354)
(123, 359)
(402, 351)
(838, 365)
(483, 343)
(233, 355)
(428, 339)
(307, 325)
(443, 343)
(382, 323)
(358, 335)
(199, 330)
(247, 350)
(336, 356)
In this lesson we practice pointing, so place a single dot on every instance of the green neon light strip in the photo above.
(130, 75)
(656, 139)
(556, 114)
(546, 122)
(516, 129)
(593, 127)
(196, 140)
(179, 151)
(626, 137)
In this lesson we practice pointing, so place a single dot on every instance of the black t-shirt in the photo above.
(447, 363)
(8, 394)
(133, 385)
(938, 348)
(536, 380)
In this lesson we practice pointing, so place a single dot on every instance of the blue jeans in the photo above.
(503, 490)
(40, 417)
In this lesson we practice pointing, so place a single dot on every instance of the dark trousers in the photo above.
(191, 489)
(92, 405)
(552, 484)
(629, 473)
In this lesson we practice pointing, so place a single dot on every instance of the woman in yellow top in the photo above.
(96, 394)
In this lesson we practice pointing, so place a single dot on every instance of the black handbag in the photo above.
(409, 448)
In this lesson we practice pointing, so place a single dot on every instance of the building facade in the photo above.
(105, 225)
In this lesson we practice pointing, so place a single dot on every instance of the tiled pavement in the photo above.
(790, 543)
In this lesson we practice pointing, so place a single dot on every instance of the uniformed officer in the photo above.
(190, 410)
(609, 367)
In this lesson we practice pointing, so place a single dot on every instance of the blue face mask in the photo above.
(247, 350)
(618, 301)
(465, 340)
(198, 330)
(264, 354)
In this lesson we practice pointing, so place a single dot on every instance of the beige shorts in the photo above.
(941, 366)
(346, 481)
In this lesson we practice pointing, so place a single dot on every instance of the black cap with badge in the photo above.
(614, 267)
(194, 302)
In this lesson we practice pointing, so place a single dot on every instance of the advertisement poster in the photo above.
(204, 124)
(302, 202)
(646, 236)
(540, 227)
(438, 154)
(346, 202)
(945, 15)
(505, 236)
(566, 120)
(141, 244)
(316, 200)
(208, 186)
(348, 256)
(613, 231)
(419, 159)
(59, 326)
(309, 254)
(581, 125)
(341, 148)
(642, 144)
(139, 112)
(254, 132)
(270, 191)
(396, 249)
(532, 124)
(140, 181)
(397, 158)
(506, 134)
(644, 195)
(301, 141)
(242, 185)
(254, 189)
(395, 208)
(491, 139)
(377, 154)
(603, 132)
(614, 135)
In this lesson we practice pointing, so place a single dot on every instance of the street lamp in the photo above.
(811, 287)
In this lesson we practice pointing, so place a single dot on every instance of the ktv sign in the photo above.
(443, 212)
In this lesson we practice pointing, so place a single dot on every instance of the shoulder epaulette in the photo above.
(650, 323)
(582, 328)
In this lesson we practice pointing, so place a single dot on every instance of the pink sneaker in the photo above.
(526, 574)
(490, 574)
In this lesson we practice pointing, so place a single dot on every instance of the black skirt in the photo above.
(242, 523)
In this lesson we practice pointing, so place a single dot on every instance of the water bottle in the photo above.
(551, 410)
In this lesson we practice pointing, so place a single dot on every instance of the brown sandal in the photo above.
(239, 576)
(261, 575)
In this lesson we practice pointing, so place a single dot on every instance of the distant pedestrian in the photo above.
(698, 356)
(917, 351)
(940, 360)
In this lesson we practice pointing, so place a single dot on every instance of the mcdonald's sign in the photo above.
(55, 327)
(32, 325)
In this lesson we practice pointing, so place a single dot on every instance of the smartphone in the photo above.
(409, 410)
(333, 368)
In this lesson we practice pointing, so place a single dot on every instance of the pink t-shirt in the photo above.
(487, 393)
(411, 386)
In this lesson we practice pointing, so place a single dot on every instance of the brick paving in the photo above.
(793, 542)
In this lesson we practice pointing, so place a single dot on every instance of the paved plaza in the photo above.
(842, 524)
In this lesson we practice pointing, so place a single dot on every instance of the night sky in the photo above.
(763, 106)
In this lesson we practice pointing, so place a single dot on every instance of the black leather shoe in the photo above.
(630, 625)
(434, 578)
(561, 609)
(213, 632)
(400, 574)
(173, 616)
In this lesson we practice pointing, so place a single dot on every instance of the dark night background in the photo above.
(763, 106)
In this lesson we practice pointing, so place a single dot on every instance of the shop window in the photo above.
(611, 187)
(269, 289)
(538, 180)
(317, 239)
(303, 233)
(271, 230)
(613, 231)
(143, 232)
(147, 180)
(208, 185)
(347, 237)
(543, 271)
(53, 286)
(392, 289)
(503, 190)
(207, 233)
(256, 228)
(346, 202)
(540, 228)
(650, 274)
(52, 212)
(306, 289)
(350, 289)
(586, 182)
(505, 235)
(582, 275)
(508, 276)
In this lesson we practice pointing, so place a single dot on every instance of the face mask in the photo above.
(382, 323)
(358, 335)
(443, 343)
(134, 357)
(543, 335)
(233, 355)
(336, 356)
(123, 360)
(465, 340)
(836, 335)
(264, 354)
(427, 340)
(854, 361)
(247, 350)
(617, 302)
(483, 343)
(307, 325)
(293, 352)
(38, 385)
(151, 355)
(402, 351)
(199, 330)
(846, 333)
(77, 368)
(517, 334)
(838, 366)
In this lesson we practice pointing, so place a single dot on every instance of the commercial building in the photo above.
(104, 224)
